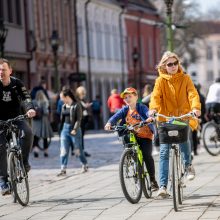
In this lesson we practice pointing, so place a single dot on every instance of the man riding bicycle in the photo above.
(12, 93)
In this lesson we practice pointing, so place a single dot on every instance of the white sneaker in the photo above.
(162, 191)
(190, 172)
(84, 168)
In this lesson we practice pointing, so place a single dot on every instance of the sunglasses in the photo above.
(172, 64)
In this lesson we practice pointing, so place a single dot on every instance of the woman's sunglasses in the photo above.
(172, 64)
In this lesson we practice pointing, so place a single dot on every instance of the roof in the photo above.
(145, 4)
(206, 27)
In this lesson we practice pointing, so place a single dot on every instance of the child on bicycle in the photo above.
(174, 94)
(131, 114)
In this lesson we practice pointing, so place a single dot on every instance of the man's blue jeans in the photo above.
(65, 145)
(164, 160)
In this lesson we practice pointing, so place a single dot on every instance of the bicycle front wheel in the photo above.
(175, 180)
(130, 176)
(146, 184)
(18, 178)
(211, 138)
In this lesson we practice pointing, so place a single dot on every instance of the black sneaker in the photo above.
(27, 167)
(154, 185)
(87, 154)
(62, 173)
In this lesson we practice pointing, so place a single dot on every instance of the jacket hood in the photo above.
(171, 76)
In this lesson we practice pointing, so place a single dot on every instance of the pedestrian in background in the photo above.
(195, 138)
(71, 116)
(96, 112)
(115, 102)
(81, 95)
(147, 94)
(41, 125)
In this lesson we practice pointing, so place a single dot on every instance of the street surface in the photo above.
(97, 195)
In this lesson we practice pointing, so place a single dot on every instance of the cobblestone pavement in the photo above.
(97, 195)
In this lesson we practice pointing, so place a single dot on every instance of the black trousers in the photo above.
(26, 144)
(146, 147)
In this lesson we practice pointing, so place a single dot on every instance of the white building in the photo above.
(207, 67)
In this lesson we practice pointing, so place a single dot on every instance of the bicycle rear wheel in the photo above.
(18, 178)
(174, 176)
(130, 176)
(146, 184)
(211, 138)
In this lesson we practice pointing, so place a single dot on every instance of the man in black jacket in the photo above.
(12, 93)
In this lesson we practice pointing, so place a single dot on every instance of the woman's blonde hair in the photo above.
(41, 97)
(162, 64)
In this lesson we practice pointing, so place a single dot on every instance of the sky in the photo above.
(207, 4)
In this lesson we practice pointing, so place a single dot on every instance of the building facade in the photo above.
(13, 14)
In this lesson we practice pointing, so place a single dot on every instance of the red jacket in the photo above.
(115, 102)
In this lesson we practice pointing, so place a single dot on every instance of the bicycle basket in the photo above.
(172, 133)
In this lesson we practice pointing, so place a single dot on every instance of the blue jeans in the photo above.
(65, 145)
(185, 149)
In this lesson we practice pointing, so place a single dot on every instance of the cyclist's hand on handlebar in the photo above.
(107, 127)
(150, 119)
(152, 112)
(196, 112)
(31, 113)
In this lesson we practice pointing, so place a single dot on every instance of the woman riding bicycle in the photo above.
(131, 114)
(174, 94)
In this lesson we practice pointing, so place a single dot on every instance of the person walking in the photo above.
(81, 95)
(147, 94)
(115, 102)
(71, 116)
(96, 112)
(12, 94)
(174, 94)
(131, 114)
(41, 125)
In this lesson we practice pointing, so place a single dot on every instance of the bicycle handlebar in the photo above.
(190, 114)
(129, 127)
(12, 120)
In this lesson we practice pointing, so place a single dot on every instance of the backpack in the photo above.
(96, 105)
(39, 111)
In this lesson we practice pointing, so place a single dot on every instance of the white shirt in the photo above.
(214, 93)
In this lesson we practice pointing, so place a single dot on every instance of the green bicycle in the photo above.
(134, 177)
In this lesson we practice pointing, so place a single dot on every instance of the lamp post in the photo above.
(55, 45)
(169, 30)
(135, 57)
(3, 35)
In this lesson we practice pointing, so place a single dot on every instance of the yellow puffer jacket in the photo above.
(175, 95)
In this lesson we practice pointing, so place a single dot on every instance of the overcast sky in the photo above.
(207, 4)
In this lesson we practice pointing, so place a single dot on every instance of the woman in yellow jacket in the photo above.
(174, 94)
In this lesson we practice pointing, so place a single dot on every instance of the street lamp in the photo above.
(135, 57)
(54, 40)
(3, 35)
(169, 30)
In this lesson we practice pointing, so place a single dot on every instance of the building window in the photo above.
(80, 37)
(210, 76)
(150, 52)
(91, 40)
(108, 43)
(116, 44)
(99, 42)
(209, 53)
(10, 10)
(218, 52)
